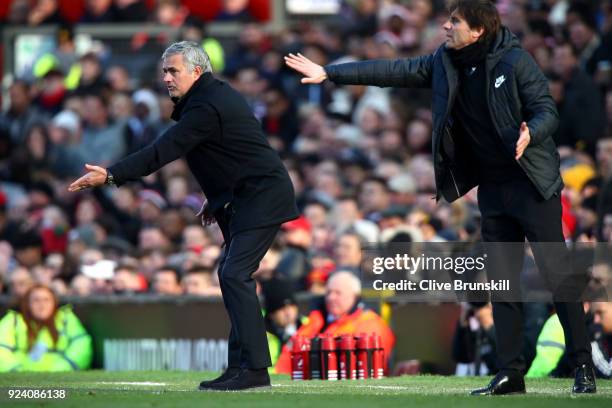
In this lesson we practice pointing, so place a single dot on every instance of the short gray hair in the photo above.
(193, 55)
(348, 278)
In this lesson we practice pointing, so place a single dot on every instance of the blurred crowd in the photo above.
(170, 12)
(359, 157)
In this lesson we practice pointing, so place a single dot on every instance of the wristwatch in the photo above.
(110, 180)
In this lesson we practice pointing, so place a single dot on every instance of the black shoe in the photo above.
(585, 380)
(246, 379)
(505, 382)
(229, 373)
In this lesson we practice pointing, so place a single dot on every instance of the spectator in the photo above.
(28, 251)
(99, 270)
(295, 264)
(282, 322)
(81, 286)
(141, 127)
(199, 281)
(31, 161)
(594, 54)
(45, 12)
(280, 120)
(550, 347)
(20, 280)
(101, 140)
(52, 91)
(151, 206)
(235, 10)
(126, 280)
(552, 359)
(99, 11)
(171, 13)
(20, 115)
(268, 266)
(602, 332)
(152, 238)
(43, 336)
(342, 313)
(474, 340)
(166, 281)
(178, 190)
(131, 10)
(581, 112)
(195, 237)
(118, 78)
(348, 252)
(374, 197)
(604, 204)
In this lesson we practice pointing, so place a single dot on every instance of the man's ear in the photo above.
(477, 33)
(198, 70)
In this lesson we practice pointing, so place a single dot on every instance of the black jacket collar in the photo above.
(179, 103)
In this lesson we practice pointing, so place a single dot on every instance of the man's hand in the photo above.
(523, 141)
(207, 217)
(96, 176)
(314, 73)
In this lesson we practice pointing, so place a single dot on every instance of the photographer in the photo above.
(474, 340)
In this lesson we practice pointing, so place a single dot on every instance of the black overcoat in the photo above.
(227, 152)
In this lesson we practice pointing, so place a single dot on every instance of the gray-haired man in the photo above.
(248, 190)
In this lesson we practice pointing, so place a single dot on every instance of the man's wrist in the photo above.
(110, 180)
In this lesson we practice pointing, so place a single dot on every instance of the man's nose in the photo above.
(167, 77)
(447, 25)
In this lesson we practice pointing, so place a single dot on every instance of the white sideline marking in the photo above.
(145, 383)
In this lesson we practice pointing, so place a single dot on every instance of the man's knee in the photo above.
(231, 276)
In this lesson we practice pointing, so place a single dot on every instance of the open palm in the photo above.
(313, 73)
(95, 176)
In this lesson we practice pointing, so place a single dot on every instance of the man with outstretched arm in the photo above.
(493, 120)
(248, 190)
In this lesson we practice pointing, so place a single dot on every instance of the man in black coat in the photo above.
(493, 120)
(248, 191)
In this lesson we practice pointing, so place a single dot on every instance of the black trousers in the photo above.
(512, 211)
(248, 343)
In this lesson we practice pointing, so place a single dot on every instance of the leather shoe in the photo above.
(505, 382)
(230, 372)
(246, 379)
(584, 382)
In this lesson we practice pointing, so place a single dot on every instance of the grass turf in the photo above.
(179, 389)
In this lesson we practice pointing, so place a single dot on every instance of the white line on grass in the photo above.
(143, 383)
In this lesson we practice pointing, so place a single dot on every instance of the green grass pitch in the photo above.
(179, 389)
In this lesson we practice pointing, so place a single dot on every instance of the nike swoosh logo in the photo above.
(500, 80)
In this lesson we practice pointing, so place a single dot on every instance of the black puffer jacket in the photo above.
(517, 91)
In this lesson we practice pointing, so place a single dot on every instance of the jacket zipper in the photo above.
(447, 131)
(454, 182)
(452, 96)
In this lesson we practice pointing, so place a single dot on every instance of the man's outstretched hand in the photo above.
(96, 176)
(523, 140)
(313, 73)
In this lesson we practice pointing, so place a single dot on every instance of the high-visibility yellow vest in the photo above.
(73, 350)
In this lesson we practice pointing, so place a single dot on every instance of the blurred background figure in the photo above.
(166, 281)
(199, 281)
(43, 336)
(343, 313)
(283, 321)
